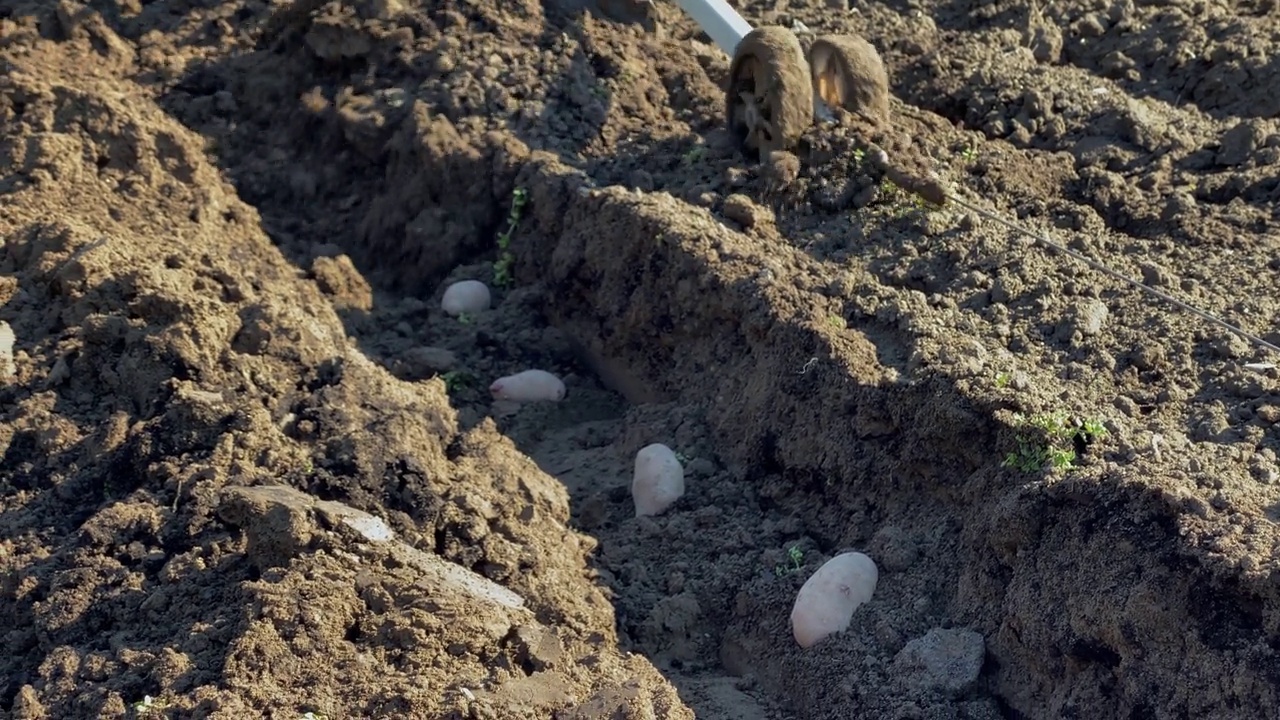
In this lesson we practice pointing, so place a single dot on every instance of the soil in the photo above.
(227, 228)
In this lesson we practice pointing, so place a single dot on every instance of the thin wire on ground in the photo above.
(1094, 264)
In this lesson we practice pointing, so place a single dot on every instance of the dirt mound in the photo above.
(170, 355)
(250, 468)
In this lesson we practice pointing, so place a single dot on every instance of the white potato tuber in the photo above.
(826, 601)
(658, 481)
(466, 296)
(7, 339)
(528, 386)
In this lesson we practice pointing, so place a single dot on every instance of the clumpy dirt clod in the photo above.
(250, 466)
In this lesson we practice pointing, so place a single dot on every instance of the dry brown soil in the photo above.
(227, 228)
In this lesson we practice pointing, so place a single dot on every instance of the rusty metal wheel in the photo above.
(769, 101)
(848, 73)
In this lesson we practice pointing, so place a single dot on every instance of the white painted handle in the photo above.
(717, 19)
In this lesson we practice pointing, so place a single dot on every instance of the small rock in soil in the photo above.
(942, 660)
(1087, 318)
(539, 646)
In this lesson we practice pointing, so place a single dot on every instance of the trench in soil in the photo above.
(670, 327)
(795, 435)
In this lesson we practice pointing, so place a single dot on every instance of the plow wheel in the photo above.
(848, 73)
(769, 101)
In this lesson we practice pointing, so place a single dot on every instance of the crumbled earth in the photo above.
(249, 467)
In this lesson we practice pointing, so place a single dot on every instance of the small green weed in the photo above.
(502, 267)
(1003, 379)
(1051, 441)
(901, 203)
(795, 560)
(455, 380)
(970, 153)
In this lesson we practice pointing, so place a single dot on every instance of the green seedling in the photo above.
(970, 153)
(455, 380)
(1093, 428)
(795, 560)
(1050, 441)
(1003, 379)
(901, 202)
(464, 318)
(502, 267)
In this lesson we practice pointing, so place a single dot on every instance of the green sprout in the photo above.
(901, 201)
(1093, 428)
(1003, 379)
(970, 153)
(455, 380)
(502, 268)
(795, 558)
(1050, 441)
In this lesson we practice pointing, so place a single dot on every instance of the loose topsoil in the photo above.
(227, 227)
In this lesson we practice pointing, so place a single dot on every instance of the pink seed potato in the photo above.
(466, 296)
(528, 386)
(826, 601)
(658, 480)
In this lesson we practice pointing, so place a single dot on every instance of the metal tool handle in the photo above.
(717, 19)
